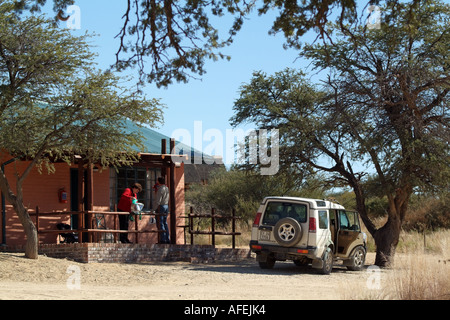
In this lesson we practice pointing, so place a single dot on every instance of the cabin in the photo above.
(84, 196)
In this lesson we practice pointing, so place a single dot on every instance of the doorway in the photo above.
(74, 197)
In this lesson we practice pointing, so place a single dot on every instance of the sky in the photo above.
(199, 106)
(199, 109)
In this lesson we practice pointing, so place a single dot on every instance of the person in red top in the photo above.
(125, 202)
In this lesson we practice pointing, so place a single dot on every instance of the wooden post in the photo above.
(213, 227)
(136, 226)
(115, 223)
(233, 228)
(163, 151)
(424, 240)
(172, 202)
(37, 220)
(90, 196)
(80, 200)
(80, 226)
(191, 225)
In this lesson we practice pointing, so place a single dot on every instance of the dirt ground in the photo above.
(60, 279)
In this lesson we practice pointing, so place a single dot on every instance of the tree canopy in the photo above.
(171, 40)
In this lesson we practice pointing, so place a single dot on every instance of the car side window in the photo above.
(343, 220)
(323, 220)
(333, 218)
(353, 221)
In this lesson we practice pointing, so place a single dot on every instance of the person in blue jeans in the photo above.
(162, 203)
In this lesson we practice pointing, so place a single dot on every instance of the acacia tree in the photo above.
(171, 40)
(54, 105)
(383, 109)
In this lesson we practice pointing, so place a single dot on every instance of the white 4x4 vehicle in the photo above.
(307, 231)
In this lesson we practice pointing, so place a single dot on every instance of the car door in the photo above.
(323, 233)
(334, 228)
(275, 211)
(349, 230)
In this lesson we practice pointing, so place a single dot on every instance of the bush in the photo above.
(429, 213)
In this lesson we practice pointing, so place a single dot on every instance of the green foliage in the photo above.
(288, 102)
(428, 212)
(54, 104)
(171, 40)
(244, 190)
(35, 5)
(391, 86)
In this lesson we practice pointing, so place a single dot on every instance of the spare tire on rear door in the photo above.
(287, 232)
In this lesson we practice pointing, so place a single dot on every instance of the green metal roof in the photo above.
(152, 138)
(152, 142)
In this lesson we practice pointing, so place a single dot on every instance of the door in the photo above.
(323, 233)
(74, 196)
(334, 229)
(284, 223)
(349, 230)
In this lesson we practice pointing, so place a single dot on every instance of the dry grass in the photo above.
(420, 277)
(421, 271)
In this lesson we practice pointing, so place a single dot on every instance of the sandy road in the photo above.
(56, 279)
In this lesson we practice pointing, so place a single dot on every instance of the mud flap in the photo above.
(317, 263)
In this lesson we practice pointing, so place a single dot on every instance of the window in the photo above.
(125, 177)
(323, 219)
(349, 220)
(333, 218)
(343, 220)
(353, 221)
(321, 203)
(279, 210)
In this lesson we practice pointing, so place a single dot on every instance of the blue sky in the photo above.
(209, 100)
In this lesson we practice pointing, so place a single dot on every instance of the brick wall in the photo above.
(137, 253)
(41, 189)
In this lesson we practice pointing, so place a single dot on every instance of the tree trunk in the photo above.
(31, 246)
(387, 237)
(386, 241)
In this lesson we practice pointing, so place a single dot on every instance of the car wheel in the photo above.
(327, 261)
(287, 232)
(357, 259)
(268, 263)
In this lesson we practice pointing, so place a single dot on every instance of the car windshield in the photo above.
(279, 210)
